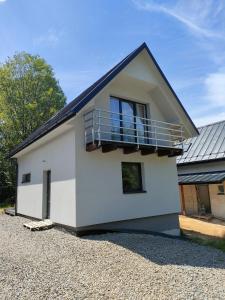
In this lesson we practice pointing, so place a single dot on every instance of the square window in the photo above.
(220, 189)
(26, 178)
(132, 177)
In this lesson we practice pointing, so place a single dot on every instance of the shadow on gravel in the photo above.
(166, 251)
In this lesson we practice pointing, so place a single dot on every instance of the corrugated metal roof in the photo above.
(209, 145)
(207, 177)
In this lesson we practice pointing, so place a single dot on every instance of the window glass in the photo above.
(132, 177)
(141, 122)
(221, 189)
(124, 114)
(128, 121)
(26, 178)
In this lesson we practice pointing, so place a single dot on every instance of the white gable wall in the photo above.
(141, 82)
(129, 92)
(143, 68)
(87, 186)
(99, 195)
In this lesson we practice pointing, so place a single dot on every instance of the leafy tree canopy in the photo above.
(29, 96)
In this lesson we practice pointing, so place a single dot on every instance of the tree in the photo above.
(29, 96)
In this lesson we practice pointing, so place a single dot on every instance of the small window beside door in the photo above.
(132, 178)
(26, 178)
(220, 190)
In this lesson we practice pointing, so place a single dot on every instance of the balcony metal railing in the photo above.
(107, 126)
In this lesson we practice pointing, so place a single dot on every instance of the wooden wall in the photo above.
(190, 199)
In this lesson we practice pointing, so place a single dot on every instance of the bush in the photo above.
(7, 194)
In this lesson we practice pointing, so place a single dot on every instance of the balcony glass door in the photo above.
(141, 124)
(127, 121)
(115, 119)
(128, 118)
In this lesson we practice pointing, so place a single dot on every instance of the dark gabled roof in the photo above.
(201, 178)
(79, 102)
(209, 145)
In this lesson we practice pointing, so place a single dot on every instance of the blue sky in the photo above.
(82, 39)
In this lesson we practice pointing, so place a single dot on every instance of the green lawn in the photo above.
(215, 243)
(3, 206)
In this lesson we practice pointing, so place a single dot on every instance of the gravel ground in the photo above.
(55, 264)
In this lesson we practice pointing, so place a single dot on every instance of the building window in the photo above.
(132, 177)
(220, 189)
(128, 120)
(26, 178)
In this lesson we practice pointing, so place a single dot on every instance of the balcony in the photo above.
(111, 130)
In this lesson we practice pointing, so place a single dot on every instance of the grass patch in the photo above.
(215, 243)
(3, 206)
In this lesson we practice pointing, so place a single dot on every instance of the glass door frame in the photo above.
(134, 103)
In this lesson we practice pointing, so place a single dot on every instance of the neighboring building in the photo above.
(201, 171)
(108, 159)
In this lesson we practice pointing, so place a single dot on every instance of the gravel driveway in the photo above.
(54, 264)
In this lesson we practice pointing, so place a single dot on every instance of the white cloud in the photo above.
(208, 119)
(198, 16)
(205, 20)
(212, 106)
(1, 1)
(215, 89)
(51, 38)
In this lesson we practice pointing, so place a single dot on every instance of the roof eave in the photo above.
(201, 161)
(201, 182)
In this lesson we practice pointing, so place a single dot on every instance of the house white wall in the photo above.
(99, 195)
(87, 186)
(58, 155)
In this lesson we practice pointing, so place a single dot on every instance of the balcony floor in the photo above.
(128, 148)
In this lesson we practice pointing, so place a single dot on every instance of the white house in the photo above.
(108, 159)
(201, 171)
